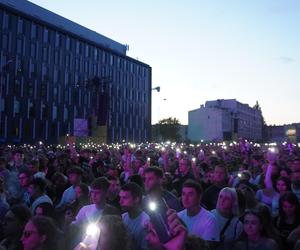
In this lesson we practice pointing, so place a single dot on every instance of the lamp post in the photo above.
(156, 88)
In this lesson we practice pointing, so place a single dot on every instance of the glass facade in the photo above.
(50, 76)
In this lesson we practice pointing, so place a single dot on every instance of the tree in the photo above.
(169, 129)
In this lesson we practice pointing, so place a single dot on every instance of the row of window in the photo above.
(46, 41)
(44, 111)
(123, 100)
(33, 129)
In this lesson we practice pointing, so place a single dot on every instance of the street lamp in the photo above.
(156, 88)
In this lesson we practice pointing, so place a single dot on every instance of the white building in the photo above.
(224, 120)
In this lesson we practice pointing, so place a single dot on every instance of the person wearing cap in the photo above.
(69, 195)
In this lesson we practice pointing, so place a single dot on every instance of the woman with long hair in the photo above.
(283, 185)
(12, 225)
(256, 233)
(40, 233)
(226, 213)
(289, 216)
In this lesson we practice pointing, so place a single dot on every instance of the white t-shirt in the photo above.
(203, 224)
(88, 213)
(137, 230)
(233, 230)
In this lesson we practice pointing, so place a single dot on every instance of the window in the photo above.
(33, 31)
(28, 129)
(66, 113)
(57, 40)
(68, 43)
(54, 112)
(77, 47)
(95, 54)
(30, 89)
(31, 109)
(3, 127)
(53, 130)
(44, 90)
(44, 111)
(67, 61)
(20, 25)
(2, 105)
(16, 107)
(45, 54)
(5, 41)
(41, 131)
(46, 35)
(15, 128)
(33, 50)
(5, 23)
(17, 87)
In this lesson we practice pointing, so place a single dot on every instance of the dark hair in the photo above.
(291, 198)
(224, 168)
(258, 213)
(101, 183)
(193, 184)
(287, 170)
(155, 170)
(75, 170)
(26, 172)
(134, 189)
(116, 231)
(112, 178)
(40, 183)
(48, 209)
(84, 189)
(286, 181)
(267, 222)
(136, 178)
(35, 163)
(22, 213)
(45, 226)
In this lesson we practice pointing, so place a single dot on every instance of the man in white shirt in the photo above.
(93, 212)
(134, 217)
(198, 220)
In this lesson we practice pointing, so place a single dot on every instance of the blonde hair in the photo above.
(234, 197)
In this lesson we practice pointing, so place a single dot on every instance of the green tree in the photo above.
(169, 129)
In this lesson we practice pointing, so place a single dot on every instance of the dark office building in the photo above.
(59, 78)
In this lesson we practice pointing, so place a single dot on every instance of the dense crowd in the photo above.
(238, 195)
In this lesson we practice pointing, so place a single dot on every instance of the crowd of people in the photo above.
(174, 196)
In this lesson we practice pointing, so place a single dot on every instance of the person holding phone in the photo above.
(154, 189)
(178, 231)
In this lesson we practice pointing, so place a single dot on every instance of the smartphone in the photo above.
(157, 211)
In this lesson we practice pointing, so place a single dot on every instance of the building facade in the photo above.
(281, 133)
(58, 78)
(222, 120)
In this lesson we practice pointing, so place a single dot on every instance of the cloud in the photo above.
(286, 59)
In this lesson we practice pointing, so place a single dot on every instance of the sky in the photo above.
(205, 50)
